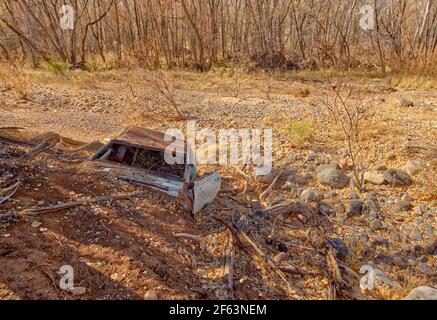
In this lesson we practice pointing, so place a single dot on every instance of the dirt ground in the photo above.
(126, 249)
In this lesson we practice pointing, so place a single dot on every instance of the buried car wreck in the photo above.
(138, 155)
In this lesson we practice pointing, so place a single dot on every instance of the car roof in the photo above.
(148, 138)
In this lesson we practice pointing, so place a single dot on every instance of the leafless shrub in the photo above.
(267, 81)
(164, 86)
(239, 76)
(17, 79)
(349, 112)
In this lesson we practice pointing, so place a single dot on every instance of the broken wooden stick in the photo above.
(11, 128)
(265, 257)
(8, 192)
(72, 204)
(271, 186)
(233, 231)
(228, 269)
(47, 145)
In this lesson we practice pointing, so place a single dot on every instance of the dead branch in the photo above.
(233, 231)
(7, 193)
(45, 146)
(228, 270)
(265, 258)
(271, 186)
(72, 204)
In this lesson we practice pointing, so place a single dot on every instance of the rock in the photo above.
(36, 224)
(423, 259)
(311, 156)
(374, 214)
(434, 243)
(398, 261)
(375, 225)
(310, 195)
(267, 179)
(412, 262)
(422, 293)
(78, 291)
(391, 156)
(405, 103)
(403, 205)
(332, 177)
(381, 168)
(258, 213)
(384, 258)
(397, 178)
(429, 249)
(407, 197)
(406, 248)
(418, 250)
(151, 295)
(325, 209)
(344, 164)
(355, 207)
(279, 258)
(381, 241)
(287, 186)
(417, 211)
(425, 269)
(415, 235)
(341, 250)
(412, 167)
(374, 177)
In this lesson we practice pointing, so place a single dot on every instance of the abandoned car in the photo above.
(138, 155)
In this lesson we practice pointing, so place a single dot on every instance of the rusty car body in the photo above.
(137, 155)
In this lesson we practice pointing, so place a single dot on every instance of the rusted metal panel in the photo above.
(150, 139)
(205, 191)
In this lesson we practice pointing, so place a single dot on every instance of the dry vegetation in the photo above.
(354, 120)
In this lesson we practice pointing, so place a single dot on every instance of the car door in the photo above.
(206, 190)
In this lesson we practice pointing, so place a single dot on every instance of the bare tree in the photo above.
(349, 112)
(202, 33)
(164, 86)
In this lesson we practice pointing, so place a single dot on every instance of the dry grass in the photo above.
(17, 78)
(413, 82)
